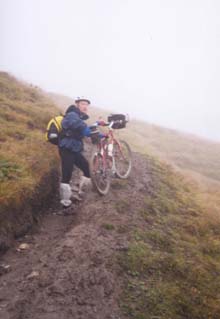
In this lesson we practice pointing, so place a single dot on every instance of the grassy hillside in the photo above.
(26, 161)
(168, 226)
(171, 266)
(186, 151)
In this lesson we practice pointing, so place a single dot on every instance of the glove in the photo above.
(86, 131)
(100, 122)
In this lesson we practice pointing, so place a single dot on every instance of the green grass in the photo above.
(122, 206)
(108, 226)
(25, 157)
(172, 267)
(9, 170)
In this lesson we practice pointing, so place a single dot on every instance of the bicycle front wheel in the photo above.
(99, 174)
(123, 159)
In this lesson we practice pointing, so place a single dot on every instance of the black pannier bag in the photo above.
(119, 119)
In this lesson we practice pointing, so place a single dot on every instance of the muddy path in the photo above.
(69, 266)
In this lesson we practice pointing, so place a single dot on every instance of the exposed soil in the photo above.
(69, 268)
(17, 219)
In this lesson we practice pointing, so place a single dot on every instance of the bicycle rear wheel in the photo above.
(123, 159)
(99, 174)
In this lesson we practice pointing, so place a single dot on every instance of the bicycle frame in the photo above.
(103, 150)
(103, 147)
(108, 159)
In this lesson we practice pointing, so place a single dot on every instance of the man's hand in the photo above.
(101, 122)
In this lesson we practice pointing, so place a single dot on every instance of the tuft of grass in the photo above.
(108, 226)
(118, 184)
(9, 170)
(122, 206)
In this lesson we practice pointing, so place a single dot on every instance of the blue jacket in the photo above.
(74, 129)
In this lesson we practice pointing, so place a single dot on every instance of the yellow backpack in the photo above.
(54, 129)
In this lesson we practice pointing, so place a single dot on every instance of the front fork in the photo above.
(106, 151)
(109, 153)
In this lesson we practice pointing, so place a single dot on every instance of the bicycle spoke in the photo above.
(122, 155)
(100, 176)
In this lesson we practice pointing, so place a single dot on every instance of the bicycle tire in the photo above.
(100, 177)
(126, 159)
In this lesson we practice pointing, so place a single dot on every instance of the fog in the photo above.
(158, 60)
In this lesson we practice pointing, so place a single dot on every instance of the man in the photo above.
(71, 146)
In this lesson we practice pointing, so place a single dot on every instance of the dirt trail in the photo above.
(69, 269)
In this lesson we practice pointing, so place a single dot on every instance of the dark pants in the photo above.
(68, 160)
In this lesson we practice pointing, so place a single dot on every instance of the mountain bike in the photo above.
(111, 157)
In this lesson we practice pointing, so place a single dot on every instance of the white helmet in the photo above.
(82, 98)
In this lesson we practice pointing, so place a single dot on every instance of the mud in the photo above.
(70, 268)
(16, 221)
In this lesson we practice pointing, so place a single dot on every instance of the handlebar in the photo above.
(110, 126)
(95, 125)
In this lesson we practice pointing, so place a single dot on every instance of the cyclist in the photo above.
(71, 146)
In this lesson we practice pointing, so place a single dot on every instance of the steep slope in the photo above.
(28, 168)
(149, 249)
(198, 159)
(146, 250)
(172, 264)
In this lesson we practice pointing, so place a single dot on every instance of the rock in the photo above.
(4, 269)
(76, 197)
(75, 188)
(23, 246)
(33, 274)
